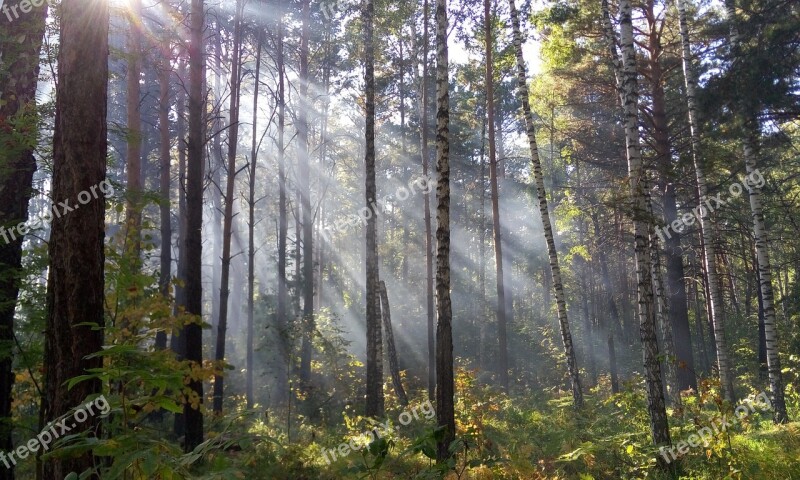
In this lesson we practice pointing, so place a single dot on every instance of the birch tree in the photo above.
(541, 195)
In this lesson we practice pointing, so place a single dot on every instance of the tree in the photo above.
(165, 275)
(422, 113)
(375, 402)
(75, 285)
(191, 275)
(304, 190)
(227, 229)
(707, 226)
(445, 385)
(627, 83)
(251, 223)
(20, 43)
(541, 195)
(498, 250)
(134, 133)
(747, 108)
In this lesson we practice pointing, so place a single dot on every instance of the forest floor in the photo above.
(538, 436)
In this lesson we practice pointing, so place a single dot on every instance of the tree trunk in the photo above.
(394, 367)
(750, 143)
(307, 280)
(682, 362)
(422, 113)
(555, 269)
(502, 357)
(165, 275)
(251, 223)
(375, 401)
(75, 285)
(193, 245)
(134, 133)
(445, 385)
(765, 280)
(281, 321)
(233, 140)
(707, 227)
(663, 312)
(642, 218)
(20, 43)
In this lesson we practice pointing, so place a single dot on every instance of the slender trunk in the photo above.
(20, 44)
(555, 269)
(74, 329)
(663, 313)
(233, 140)
(375, 401)
(251, 222)
(394, 367)
(778, 400)
(707, 227)
(502, 360)
(134, 133)
(165, 275)
(192, 269)
(445, 384)
(282, 324)
(763, 367)
(307, 278)
(642, 218)
(422, 113)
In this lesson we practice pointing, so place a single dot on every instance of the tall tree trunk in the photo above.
(778, 400)
(227, 227)
(282, 393)
(682, 362)
(445, 384)
(613, 311)
(165, 275)
(422, 113)
(251, 223)
(663, 312)
(502, 335)
(193, 245)
(75, 285)
(134, 132)
(307, 279)
(394, 366)
(750, 144)
(20, 43)
(375, 401)
(707, 227)
(536, 166)
(642, 218)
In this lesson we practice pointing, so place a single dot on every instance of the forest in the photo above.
(429, 239)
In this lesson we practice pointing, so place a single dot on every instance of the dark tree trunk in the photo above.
(307, 279)
(375, 401)
(165, 275)
(134, 133)
(192, 269)
(394, 366)
(445, 384)
(251, 250)
(75, 286)
(282, 381)
(20, 43)
(227, 228)
(502, 336)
